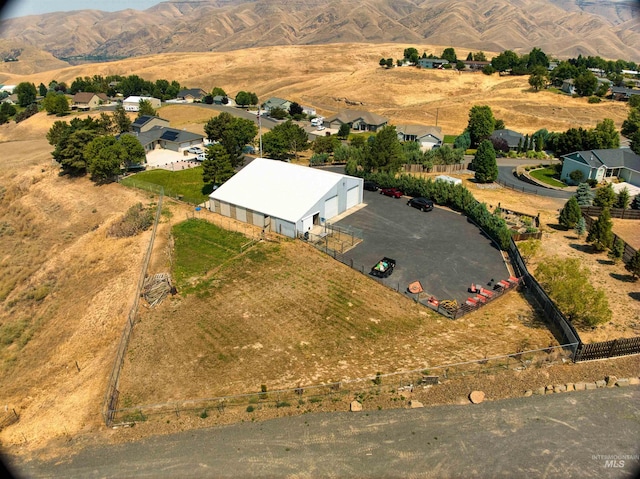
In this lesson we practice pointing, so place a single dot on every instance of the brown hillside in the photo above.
(327, 76)
(560, 27)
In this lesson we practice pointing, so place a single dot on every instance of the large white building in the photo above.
(285, 198)
(132, 103)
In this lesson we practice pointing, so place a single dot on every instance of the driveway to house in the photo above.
(439, 248)
(508, 179)
(585, 434)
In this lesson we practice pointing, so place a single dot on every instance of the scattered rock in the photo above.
(634, 381)
(611, 381)
(600, 383)
(539, 391)
(476, 397)
(413, 404)
(622, 382)
(580, 386)
(593, 385)
(570, 387)
(528, 393)
(356, 406)
(559, 388)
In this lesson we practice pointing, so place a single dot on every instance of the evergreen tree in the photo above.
(217, 168)
(485, 164)
(617, 250)
(623, 198)
(633, 266)
(570, 214)
(462, 141)
(635, 204)
(584, 195)
(481, 124)
(42, 89)
(121, 119)
(601, 232)
(605, 197)
(581, 227)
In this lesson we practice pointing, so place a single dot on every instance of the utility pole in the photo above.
(260, 127)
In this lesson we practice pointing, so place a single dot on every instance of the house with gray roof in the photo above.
(357, 120)
(191, 95)
(603, 164)
(513, 138)
(622, 93)
(154, 133)
(146, 122)
(432, 62)
(275, 102)
(428, 136)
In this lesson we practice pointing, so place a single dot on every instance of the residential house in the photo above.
(513, 138)
(475, 65)
(8, 88)
(88, 100)
(220, 100)
(154, 133)
(132, 103)
(11, 99)
(600, 165)
(358, 120)
(191, 95)
(568, 86)
(428, 136)
(275, 102)
(308, 110)
(623, 94)
(432, 62)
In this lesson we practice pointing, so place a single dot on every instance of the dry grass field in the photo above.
(327, 76)
(67, 288)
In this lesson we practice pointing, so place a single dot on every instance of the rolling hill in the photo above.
(562, 28)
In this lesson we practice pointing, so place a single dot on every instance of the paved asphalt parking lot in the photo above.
(581, 434)
(439, 248)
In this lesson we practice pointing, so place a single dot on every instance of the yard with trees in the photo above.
(233, 133)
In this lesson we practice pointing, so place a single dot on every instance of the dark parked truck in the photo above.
(384, 267)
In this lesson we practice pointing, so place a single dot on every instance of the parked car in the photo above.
(201, 157)
(423, 204)
(320, 127)
(393, 192)
(196, 150)
(371, 186)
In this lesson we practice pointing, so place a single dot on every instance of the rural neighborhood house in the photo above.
(599, 165)
(285, 198)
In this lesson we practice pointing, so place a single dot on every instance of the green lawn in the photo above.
(186, 183)
(201, 246)
(549, 176)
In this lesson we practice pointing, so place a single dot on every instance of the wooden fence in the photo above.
(418, 168)
(608, 349)
(625, 214)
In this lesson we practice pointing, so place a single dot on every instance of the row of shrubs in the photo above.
(443, 193)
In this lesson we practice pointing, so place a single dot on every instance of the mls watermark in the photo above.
(616, 461)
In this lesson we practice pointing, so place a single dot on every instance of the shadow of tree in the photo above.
(557, 227)
(627, 278)
(606, 261)
(635, 295)
(574, 238)
(584, 248)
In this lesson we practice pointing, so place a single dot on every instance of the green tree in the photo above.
(528, 249)
(344, 131)
(507, 60)
(104, 158)
(538, 78)
(633, 266)
(384, 151)
(635, 142)
(576, 176)
(217, 167)
(605, 196)
(389, 62)
(26, 93)
(635, 203)
(325, 144)
(233, 133)
(537, 58)
(601, 232)
(624, 199)
(632, 124)
(605, 135)
(295, 109)
(146, 109)
(470, 57)
(479, 57)
(243, 98)
(383, 62)
(217, 91)
(484, 163)
(481, 124)
(42, 89)
(585, 83)
(583, 195)
(569, 286)
(570, 214)
(55, 104)
(357, 141)
(449, 54)
(463, 141)
(133, 151)
(278, 113)
(285, 139)
(581, 227)
(410, 53)
(617, 250)
(121, 119)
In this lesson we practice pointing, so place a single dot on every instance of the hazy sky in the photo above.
(20, 8)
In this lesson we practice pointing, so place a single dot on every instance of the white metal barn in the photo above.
(285, 198)
(132, 103)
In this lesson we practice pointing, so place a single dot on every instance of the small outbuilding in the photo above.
(132, 103)
(449, 179)
(285, 198)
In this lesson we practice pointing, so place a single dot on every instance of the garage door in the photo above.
(225, 208)
(352, 197)
(331, 207)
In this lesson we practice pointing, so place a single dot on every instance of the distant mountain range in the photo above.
(562, 28)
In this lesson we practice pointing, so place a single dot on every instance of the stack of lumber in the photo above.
(156, 288)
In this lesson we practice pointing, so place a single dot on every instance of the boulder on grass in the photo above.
(413, 404)
(356, 406)
(476, 397)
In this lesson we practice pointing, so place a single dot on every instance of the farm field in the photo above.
(67, 287)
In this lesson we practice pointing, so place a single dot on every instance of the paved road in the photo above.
(506, 177)
(563, 435)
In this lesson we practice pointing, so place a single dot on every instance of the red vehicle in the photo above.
(393, 192)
